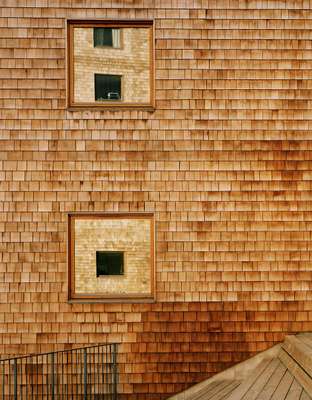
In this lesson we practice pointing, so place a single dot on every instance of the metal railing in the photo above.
(83, 373)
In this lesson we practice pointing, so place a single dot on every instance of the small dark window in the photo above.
(107, 87)
(106, 37)
(109, 263)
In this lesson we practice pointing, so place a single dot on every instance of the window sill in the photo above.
(107, 47)
(126, 299)
(112, 107)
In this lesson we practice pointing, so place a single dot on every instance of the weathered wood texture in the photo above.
(284, 373)
(224, 162)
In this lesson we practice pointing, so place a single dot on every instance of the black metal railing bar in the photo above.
(82, 373)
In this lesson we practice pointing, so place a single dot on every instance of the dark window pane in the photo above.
(103, 37)
(109, 263)
(107, 87)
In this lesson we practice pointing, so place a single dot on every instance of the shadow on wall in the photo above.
(185, 343)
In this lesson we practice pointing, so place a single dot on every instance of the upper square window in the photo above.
(110, 64)
(106, 37)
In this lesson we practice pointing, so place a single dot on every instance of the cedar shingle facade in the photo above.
(224, 163)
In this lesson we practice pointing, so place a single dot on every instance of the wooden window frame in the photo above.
(109, 23)
(74, 297)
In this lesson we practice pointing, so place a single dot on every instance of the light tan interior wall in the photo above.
(131, 236)
(131, 61)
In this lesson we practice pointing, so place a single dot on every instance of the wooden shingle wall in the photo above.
(224, 162)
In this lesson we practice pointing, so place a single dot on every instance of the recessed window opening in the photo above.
(107, 37)
(107, 87)
(110, 64)
(111, 257)
(109, 263)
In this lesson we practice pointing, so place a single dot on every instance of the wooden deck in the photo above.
(286, 375)
(273, 381)
(217, 390)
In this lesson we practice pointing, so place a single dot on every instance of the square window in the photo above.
(107, 87)
(109, 263)
(111, 257)
(106, 37)
(110, 64)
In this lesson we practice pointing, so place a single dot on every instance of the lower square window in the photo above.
(111, 257)
(107, 87)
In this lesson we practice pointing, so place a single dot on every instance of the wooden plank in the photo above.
(295, 391)
(305, 396)
(306, 338)
(298, 350)
(224, 388)
(209, 390)
(243, 388)
(302, 377)
(272, 383)
(195, 394)
(225, 392)
(259, 384)
(283, 387)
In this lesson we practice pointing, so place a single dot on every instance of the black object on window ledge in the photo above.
(109, 263)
